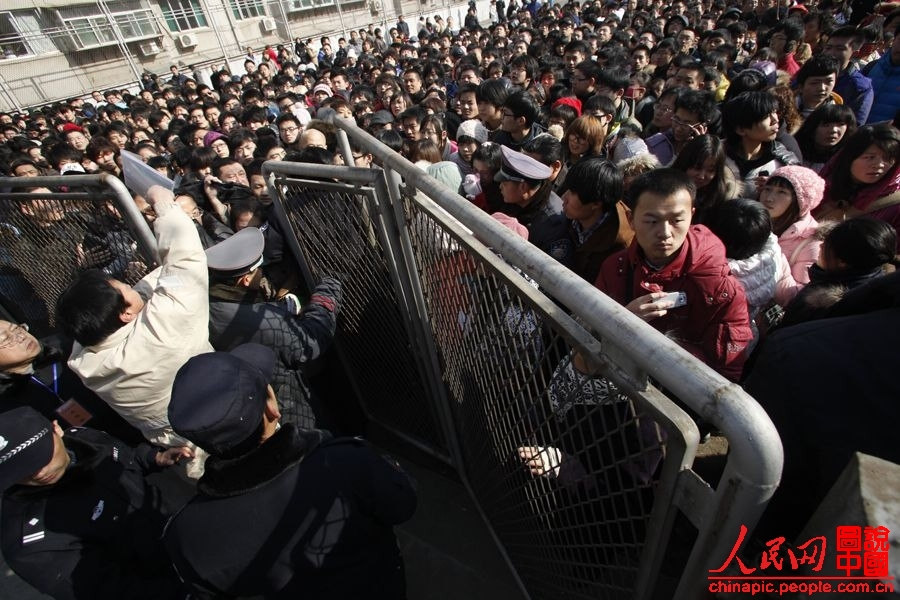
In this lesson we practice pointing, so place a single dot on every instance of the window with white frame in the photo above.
(295, 5)
(247, 9)
(183, 15)
(20, 34)
(88, 27)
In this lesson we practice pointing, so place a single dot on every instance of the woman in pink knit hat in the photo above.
(789, 195)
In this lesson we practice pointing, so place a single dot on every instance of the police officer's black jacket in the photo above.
(238, 316)
(300, 516)
(95, 534)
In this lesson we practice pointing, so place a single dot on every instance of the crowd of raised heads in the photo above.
(792, 107)
(728, 172)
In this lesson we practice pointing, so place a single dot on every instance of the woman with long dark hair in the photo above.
(864, 178)
(824, 133)
(703, 159)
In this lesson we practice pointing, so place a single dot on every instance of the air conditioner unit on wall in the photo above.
(150, 48)
(267, 25)
(187, 40)
(375, 6)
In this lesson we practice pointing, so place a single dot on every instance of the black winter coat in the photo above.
(309, 518)
(95, 534)
(830, 387)
(239, 316)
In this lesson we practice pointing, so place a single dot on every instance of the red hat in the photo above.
(799, 8)
(72, 127)
(570, 101)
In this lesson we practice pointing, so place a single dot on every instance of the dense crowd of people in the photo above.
(728, 173)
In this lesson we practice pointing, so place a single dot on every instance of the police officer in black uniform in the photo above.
(525, 185)
(280, 511)
(78, 518)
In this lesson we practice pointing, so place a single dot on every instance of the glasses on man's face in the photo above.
(676, 122)
(13, 336)
(506, 114)
(288, 129)
(663, 108)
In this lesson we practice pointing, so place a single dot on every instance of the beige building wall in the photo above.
(50, 76)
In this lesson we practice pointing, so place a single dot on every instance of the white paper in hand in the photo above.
(139, 177)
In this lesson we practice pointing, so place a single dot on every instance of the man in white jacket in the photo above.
(130, 342)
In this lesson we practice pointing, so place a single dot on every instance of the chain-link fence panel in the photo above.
(47, 236)
(562, 461)
(340, 233)
(580, 463)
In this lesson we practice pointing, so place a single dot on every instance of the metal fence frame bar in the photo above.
(753, 468)
(422, 337)
(388, 235)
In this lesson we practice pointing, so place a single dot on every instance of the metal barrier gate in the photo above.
(453, 345)
(52, 227)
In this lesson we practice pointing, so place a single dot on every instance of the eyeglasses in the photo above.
(676, 122)
(288, 129)
(507, 114)
(663, 108)
(14, 335)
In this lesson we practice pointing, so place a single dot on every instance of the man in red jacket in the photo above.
(709, 316)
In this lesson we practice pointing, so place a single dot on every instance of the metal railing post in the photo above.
(143, 234)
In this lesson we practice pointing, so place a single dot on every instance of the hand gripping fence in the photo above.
(53, 227)
(560, 410)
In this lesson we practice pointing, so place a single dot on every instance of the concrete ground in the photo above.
(448, 551)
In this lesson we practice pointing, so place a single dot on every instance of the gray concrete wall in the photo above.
(867, 494)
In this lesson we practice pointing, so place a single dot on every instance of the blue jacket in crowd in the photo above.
(885, 76)
(856, 90)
